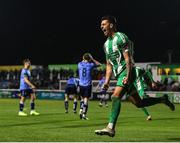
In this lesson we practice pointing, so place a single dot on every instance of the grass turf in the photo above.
(55, 126)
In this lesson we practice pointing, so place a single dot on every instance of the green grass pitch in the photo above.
(55, 126)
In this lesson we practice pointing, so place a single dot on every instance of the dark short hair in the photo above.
(111, 19)
(87, 57)
(26, 61)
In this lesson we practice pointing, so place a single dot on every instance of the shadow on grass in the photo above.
(163, 119)
(47, 114)
(35, 123)
(120, 118)
(174, 139)
(84, 125)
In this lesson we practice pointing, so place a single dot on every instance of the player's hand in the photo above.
(90, 56)
(125, 81)
(33, 87)
(154, 85)
(105, 87)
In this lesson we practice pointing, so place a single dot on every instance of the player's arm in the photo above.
(77, 82)
(95, 61)
(28, 82)
(129, 64)
(108, 74)
(148, 75)
(97, 87)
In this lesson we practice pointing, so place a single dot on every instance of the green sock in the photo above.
(115, 110)
(145, 111)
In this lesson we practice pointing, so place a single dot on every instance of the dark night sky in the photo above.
(52, 32)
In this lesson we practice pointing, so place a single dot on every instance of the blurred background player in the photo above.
(143, 82)
(102, 92)
(71, 89)
(144, 79)
(26, 89)
(85, 68)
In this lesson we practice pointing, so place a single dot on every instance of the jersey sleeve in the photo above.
(104, 48)
(93, 65)
(123, 42)
(25, 73)
(79, 65)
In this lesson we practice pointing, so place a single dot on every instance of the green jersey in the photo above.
(114, 48)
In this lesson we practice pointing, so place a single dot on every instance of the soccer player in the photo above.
(119, 60)
(102, 92)
(71, 89)
(85, 68)
(26, 89)
(143, 80)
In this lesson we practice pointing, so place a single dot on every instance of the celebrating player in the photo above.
(26, 89)
(119, 60)
(85, 80)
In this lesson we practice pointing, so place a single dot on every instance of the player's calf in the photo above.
(66, 105)
(80, 113)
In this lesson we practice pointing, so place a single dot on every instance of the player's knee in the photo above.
(85, 100)
(22, 99)
(116, 94)
(33, 98)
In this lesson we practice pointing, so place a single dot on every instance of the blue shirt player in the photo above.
(85, 68)
(26, 89)
(71, 89)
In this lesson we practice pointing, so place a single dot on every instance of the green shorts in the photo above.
(136, 83)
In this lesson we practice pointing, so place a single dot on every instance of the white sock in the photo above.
(110, 125)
